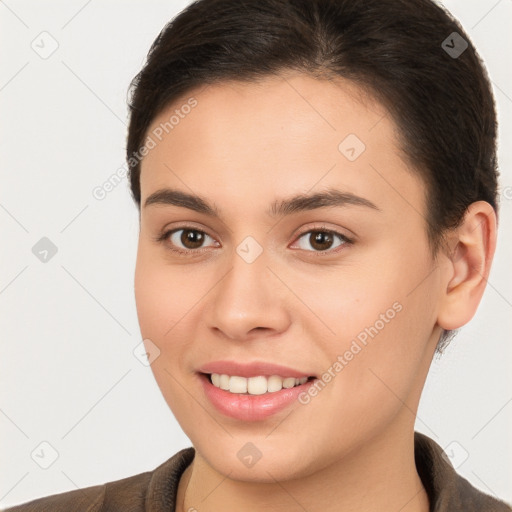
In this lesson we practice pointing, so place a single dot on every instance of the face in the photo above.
(343, 290)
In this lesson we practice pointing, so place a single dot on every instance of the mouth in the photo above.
(253, 398)
(258, 385)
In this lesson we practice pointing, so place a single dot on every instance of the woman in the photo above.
(317, 184)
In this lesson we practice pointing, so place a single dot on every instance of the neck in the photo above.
(380, 476)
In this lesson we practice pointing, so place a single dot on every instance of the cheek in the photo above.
(378, 320)
(163, 295)
(163, 300)
(379, 366)
(343, 301)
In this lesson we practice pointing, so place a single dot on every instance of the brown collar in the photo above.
(446, 489)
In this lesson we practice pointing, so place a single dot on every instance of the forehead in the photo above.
(285, 110)
(288, 133)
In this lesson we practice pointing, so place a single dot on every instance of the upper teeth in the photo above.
(255, 385)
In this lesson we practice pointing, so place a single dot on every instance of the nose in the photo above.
(249, 300)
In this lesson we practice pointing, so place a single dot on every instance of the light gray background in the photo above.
(68, 375)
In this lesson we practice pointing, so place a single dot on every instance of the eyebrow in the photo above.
(280, 208)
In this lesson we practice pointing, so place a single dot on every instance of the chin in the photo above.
(244, 458)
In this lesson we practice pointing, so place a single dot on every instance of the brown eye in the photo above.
(321, 240)
(185, 239)
(191, 238)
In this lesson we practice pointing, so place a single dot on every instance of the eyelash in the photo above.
(163, 238)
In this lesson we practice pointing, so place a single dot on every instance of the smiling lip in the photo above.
(250, 407)
(254, 369)
(247, 407)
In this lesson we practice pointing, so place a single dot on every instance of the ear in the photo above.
(468, 264)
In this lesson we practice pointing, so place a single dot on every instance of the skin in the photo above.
(242, 147)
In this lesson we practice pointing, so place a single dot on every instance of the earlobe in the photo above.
(468, 265)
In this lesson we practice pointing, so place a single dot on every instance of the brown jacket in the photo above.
(155, 491)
